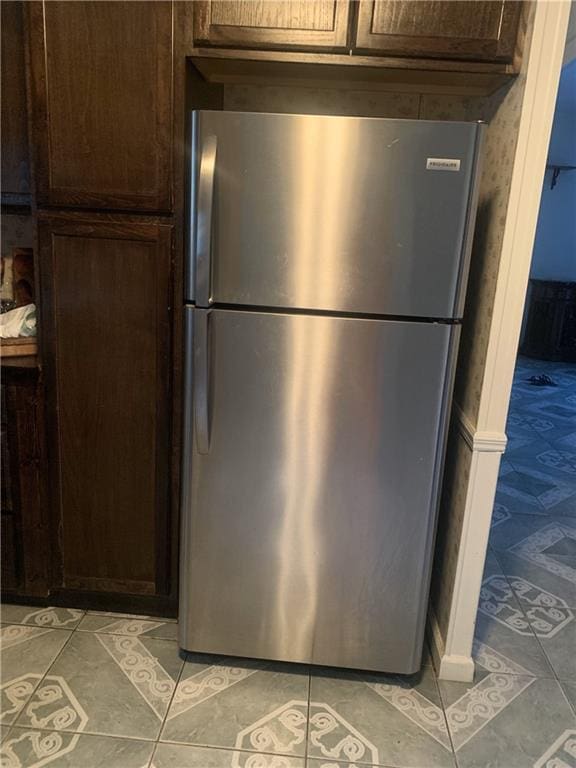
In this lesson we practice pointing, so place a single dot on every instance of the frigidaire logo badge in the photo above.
(442, 164)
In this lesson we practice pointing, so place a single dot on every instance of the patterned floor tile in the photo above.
(502, 625)
(545, 457)
(133, 626)
(314, 762)
(561, 651)
(378, 719)
(27, 653)
(506, 721)
(107, 685)
(57, 618)
(569, 689)
(246, 705)
(510, 501)
(561, 753)
(181, 756)
(550, 486)
(517, 528)
(542, 574)
(27, 748)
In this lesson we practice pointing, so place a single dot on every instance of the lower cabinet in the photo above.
(25, 548)
(106, 324)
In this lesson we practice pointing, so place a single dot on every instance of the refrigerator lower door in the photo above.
(310, 484)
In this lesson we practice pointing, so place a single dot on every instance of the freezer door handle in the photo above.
(202, 379)
(204, 225)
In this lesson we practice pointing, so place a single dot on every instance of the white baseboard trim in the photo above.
(452, 655)
(459, 669)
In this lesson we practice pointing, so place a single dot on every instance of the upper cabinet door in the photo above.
(102, 123)
(457, 29)
(15, 166)
(286, 24)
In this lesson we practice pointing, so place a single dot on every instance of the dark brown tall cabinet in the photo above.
(102, 142)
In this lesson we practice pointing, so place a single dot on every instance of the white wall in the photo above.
(555, 245)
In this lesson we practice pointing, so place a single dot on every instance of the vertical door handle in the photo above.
(202, 379)
(204, 224)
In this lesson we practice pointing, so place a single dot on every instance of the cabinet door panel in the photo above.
(107, 328)
(15, 165)
(457, 29)
(286, 24)
(102, 78)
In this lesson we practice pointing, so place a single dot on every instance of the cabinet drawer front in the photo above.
(286, 24)
(457, 29)
(102, 80)
(106, 314)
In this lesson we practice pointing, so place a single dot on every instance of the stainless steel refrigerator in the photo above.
(325, 288)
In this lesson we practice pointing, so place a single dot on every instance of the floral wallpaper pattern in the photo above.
(320, 101)
(502, 113)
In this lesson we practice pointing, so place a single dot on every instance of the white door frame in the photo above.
(453, 654)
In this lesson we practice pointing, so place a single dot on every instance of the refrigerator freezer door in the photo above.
(336, 213)
(308, 523)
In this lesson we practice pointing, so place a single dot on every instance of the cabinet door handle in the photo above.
(207, 174)
(202, 379)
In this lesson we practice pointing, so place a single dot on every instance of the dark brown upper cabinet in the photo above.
(288, 25)
(456, 29)
(15, 161)
(106, 315)
(101, 76)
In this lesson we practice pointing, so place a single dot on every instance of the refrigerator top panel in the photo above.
(342, 214)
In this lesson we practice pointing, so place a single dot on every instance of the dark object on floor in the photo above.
(541, 381)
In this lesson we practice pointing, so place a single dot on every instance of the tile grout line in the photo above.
(177, 682)
(36, 687)
(245, 751)
(565, 695)
(307, 716)
(150, 762)
(443, 707)
(94, 734)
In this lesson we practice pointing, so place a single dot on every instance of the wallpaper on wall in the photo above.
(502, 113)
(455, 485)
(320, 101)
(333, 101)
